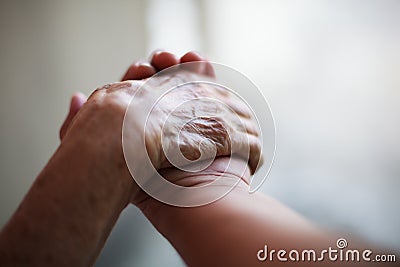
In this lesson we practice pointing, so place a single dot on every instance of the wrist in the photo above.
(96, 152)
(234, 181)
(95, 166)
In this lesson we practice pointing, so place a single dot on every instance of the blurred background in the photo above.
(329, 69)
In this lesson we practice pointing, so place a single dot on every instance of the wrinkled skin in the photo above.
(105, 110)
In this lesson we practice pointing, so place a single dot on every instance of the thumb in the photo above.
(77, 101)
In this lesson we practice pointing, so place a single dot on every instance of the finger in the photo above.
(139, 71)
(162, 60)
(203, 67)
(77, 101)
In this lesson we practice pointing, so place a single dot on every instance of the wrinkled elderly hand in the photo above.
(195, 127)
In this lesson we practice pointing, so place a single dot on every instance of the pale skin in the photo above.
(73, 204)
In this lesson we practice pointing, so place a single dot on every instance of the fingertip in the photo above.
(79, 96)
(203, 67)
(191, 56)
(145, 70)
(77, 101)
(162, 60)
(139, 71)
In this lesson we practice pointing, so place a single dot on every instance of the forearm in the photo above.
(232, 230)
(67, 214)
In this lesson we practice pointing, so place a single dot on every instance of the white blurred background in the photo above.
(330, 71)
